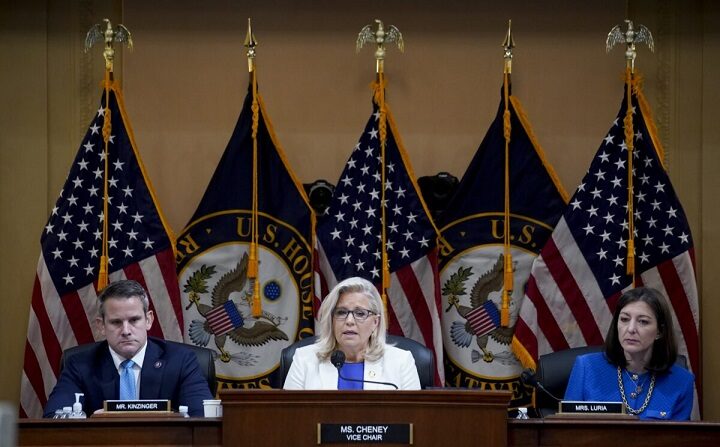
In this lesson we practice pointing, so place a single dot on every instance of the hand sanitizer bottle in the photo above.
(183, 410)
(77, 411)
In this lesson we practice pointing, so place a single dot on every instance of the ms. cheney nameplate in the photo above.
(355, 433)
(137, 406)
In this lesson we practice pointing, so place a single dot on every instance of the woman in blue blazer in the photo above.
(638, 366)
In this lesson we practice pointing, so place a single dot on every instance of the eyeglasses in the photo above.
(358, 314)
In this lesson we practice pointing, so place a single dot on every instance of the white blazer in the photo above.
(308, 373)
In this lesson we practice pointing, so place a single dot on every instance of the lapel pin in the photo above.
(158, 364)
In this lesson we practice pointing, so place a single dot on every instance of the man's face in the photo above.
(125, 325)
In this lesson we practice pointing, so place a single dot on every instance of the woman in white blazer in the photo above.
(352, 320)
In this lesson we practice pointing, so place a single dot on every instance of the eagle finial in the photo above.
(379, 36)
(108, 35)
(629, 37)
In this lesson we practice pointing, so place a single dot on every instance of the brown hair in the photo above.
(664, 350)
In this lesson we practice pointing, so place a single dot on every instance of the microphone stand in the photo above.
(337, 358)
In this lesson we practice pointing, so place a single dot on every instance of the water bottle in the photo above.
(522, 413)
(58, 413)
(183, 410)
(66, 412)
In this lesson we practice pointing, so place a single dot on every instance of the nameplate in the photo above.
(584, 407)
(355, 433)
(137, 406)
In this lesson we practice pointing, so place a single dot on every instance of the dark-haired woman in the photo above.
(638, 364)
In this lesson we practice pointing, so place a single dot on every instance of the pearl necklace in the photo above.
(624, 399)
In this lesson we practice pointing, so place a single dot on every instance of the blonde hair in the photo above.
(326, 337)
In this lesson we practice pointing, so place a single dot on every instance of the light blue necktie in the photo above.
(127, 380)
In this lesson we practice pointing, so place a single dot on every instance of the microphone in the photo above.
(337, 358)
(528, 377)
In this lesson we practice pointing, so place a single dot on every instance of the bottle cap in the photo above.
(183, 409)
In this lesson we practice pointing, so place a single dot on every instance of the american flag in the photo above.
(349, 237)
(64, 301)
(581, 271)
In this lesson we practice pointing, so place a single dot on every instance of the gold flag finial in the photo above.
(108, 35)
(250, 44)
(379, 36)
(508, 45)
(629, 37)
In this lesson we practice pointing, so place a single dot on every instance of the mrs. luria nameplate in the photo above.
(137, 406)
(591, 408)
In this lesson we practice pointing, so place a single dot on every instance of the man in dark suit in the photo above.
(157, 370)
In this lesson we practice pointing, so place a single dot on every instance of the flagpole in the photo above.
(253, 264)
(379, 36)
(629, 37)
(108, 35)
(508, 279)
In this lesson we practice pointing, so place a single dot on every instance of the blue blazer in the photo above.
(593, 378)
(168, 372)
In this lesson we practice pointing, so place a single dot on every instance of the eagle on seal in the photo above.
(462, 334)
(251, 332)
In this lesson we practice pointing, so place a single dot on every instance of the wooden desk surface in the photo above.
(141, 431)
(611, 433)
(208, 432)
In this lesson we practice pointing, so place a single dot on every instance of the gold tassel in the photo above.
(253, 265)
(103, 275)
(507, 290)
(379, 97)
(256, 305)
(508, 265)
(629, 134)
(252, 271)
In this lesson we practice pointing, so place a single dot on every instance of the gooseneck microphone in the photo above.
(337, 358)
(528, 377)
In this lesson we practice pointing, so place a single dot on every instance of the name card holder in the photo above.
(584, 409)
(362, 433)
(125, 408)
